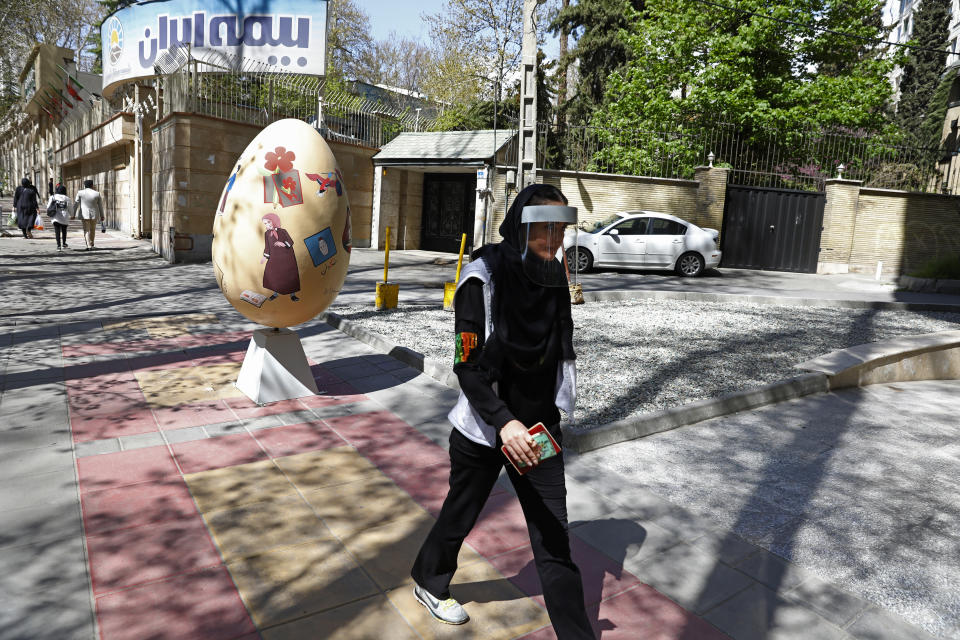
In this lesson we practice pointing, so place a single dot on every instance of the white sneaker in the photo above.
(449, 611)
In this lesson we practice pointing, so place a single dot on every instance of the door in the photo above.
(773, 229)
(626, 246)
(664, 242)
(449, 202)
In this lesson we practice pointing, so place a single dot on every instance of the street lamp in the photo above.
(710, 159)
(840, 170)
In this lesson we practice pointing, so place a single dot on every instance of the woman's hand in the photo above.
(279, 244)
(519, 443)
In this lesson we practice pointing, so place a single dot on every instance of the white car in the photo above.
(643, 240)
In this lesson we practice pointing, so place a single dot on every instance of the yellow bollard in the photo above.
(387, 293)
(450, 288)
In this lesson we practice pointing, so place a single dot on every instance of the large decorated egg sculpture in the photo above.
(281, 238)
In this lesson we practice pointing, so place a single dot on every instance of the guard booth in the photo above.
(431, 187)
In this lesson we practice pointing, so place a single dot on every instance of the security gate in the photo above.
(772, 229)
(449, 201)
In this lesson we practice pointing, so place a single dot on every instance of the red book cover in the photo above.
(542, 440)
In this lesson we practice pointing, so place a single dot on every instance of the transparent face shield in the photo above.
(543, 227)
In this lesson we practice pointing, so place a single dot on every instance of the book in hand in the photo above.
(542, 441)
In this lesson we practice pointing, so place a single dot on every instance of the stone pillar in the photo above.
(711, 196)
(386, 205)
(839, 225)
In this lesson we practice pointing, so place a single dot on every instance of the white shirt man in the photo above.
(90, 210)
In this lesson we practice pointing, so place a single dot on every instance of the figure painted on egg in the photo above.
(281, 274)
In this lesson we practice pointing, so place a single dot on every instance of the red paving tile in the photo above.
(339, 389)
(220, 357)
(643, 612)
(297, 438)
(193, 340)
(198, 606)
(122, 383)
(90, 349)
(500, 528)
(127, 557)
(137, 505)
(112, 470)
(427, 485)
(193, 415)
(100, 402)
(326, 400)
(85, 429)
(214, 453)
(372, 426)
(401, 453)
(247, 408)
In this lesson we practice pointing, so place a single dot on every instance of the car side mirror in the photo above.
(613, 232)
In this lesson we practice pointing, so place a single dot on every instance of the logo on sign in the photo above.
(115, 36)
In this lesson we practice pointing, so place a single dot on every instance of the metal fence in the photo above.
(257, 93)
(782, 159)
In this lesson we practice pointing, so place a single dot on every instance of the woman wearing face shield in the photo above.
(515, 364)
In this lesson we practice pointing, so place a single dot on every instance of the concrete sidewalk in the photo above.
(143, 497)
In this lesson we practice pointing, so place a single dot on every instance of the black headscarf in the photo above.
(531, 322)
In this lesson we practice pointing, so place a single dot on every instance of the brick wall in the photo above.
(193, 156)
(903, 230)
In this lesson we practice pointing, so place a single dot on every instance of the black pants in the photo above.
(60, 230)
(543, 497)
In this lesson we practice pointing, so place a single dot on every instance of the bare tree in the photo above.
(349, 43)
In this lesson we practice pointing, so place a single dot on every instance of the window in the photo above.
(664, 227)
(635, 227)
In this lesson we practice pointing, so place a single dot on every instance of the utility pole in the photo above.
(527, 143)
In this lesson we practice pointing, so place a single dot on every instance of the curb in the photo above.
(622, 430)
(698, 296)
(929, 285)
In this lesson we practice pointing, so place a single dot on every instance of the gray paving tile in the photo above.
(224, 428)
(33, 568)
(307, 415)
(364, 406)
(188, 434)
(626, 541)
(262, 422)
(692, 578)
(376, 382)
(23, 462)
(96, 447)
(141, 440)
(878, 624)
(757, 613)
(729, 547)
(34, 524)
(831, 603)
(58, 614)
(55, 488)
(773, 571)
(583, 503)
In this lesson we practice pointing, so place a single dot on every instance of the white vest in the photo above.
(463, 416)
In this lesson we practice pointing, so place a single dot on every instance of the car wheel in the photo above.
(579, 258)
(690, 265)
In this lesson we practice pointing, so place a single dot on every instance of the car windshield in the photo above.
(597, 226)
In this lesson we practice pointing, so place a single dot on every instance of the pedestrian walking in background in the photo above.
(59, 209)
(516, 368)
(26, 203)
(90, 210)
(50, 191)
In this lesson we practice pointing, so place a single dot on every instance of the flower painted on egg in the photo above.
(280, 159)
(289, 184)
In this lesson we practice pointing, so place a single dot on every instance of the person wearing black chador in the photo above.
(26, 204)
(516, 368)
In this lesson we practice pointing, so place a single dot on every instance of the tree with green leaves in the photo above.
(349, 43)
(922, 71)
(599, 30)
(773, 72)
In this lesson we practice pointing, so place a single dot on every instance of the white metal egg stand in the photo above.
(275, 367)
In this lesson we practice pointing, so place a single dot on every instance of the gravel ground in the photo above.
(645, 355)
